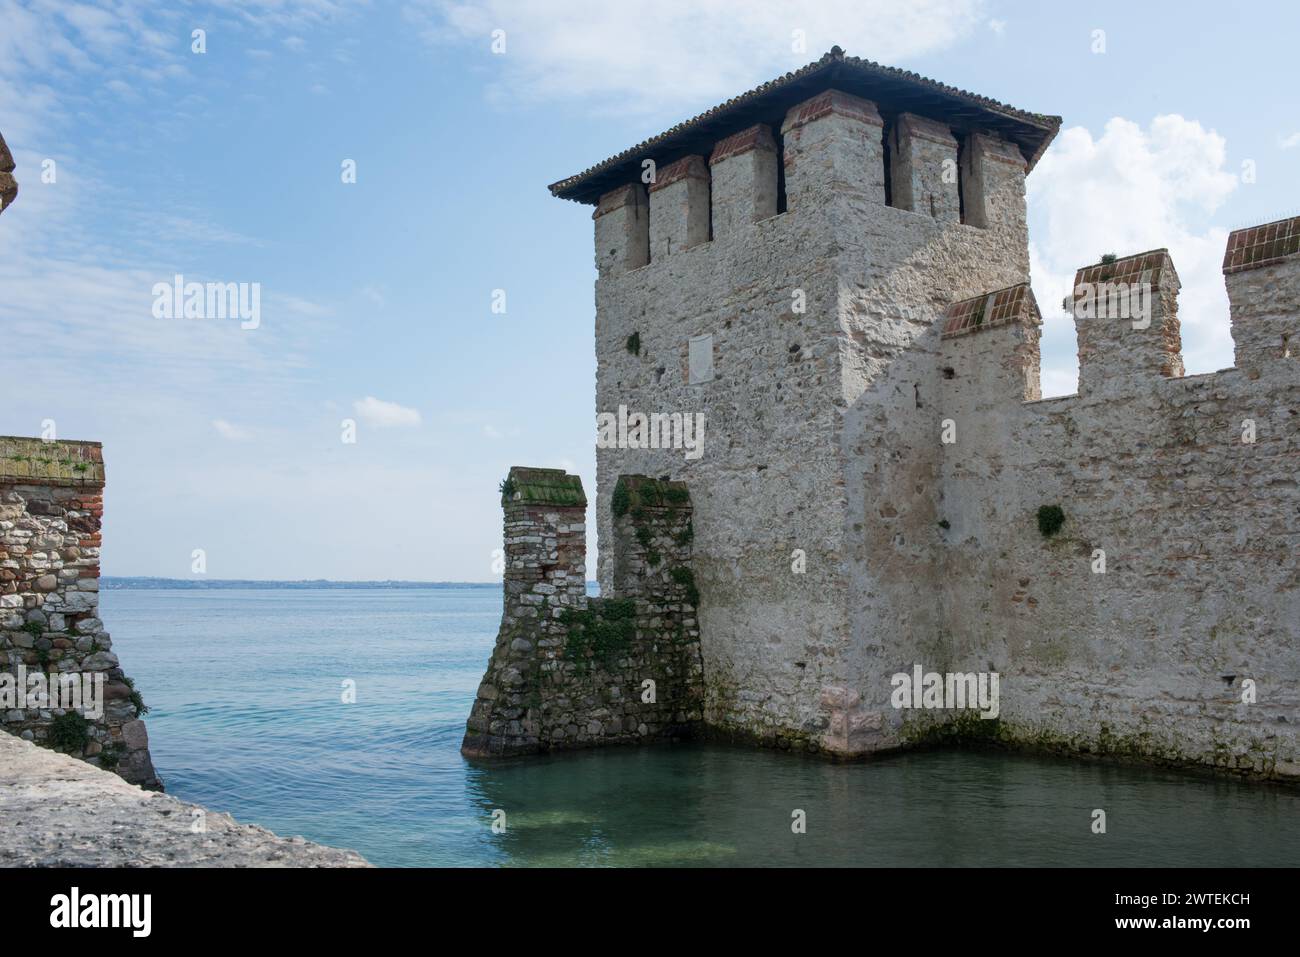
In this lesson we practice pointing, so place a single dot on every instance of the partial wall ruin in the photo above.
(569, 671)
(51, 506)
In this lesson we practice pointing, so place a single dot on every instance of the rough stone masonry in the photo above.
(570, 671)
(834, 269)
(51, 507)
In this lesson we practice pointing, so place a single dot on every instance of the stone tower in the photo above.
(831, 272)
(785, 273)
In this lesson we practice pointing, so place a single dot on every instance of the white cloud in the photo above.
(680, 51)
(230, 431)
(998, 26)
(1129, 191)
(1288, 142)
(385, 415)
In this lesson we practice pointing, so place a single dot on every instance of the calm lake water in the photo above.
(245, 691)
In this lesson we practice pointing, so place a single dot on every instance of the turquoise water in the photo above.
(245, 690)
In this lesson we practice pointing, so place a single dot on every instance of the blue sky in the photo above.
(376, 295)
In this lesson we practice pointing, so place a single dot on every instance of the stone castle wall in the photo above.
(850, 298)
(1185, 486)
(569, 671)
(51, 506)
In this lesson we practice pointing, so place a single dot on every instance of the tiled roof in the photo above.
(1129, 269)
(991, 309)
(892, 89)
(28, 461)
(1262, 245)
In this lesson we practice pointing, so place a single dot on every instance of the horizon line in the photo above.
(293, 581)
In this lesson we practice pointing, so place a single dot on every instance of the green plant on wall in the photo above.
(141, 709)
(70, 732)
(686, 578)
(621, 501)
(634, 343)
(110, 757)
(1050, 519)
(506, 488)
(599, 631)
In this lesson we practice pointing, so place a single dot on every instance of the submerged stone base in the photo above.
(570, 671)
(60, 812)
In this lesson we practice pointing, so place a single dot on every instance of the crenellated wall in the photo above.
(862, 292)
(1161, 621)
(569, 671)
(51, 506)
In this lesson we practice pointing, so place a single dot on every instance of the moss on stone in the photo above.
(686, 578)
(598, 632)
(542, 487)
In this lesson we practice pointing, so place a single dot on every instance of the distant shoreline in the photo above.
(144, 582)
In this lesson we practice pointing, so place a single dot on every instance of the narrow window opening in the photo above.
(780, 169)
(709, 202)
(1286, 346)
(961, 177)
(889, 162)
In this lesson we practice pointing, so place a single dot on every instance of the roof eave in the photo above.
(767, 102)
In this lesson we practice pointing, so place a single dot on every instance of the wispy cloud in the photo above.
(385, 415)
(228, 430)
(1127, 191)
(681, 51)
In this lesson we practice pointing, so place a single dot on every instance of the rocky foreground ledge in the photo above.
(56, 811)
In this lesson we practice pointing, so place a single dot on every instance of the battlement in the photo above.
(1261, 268)
(1259, 246)
(841, 125)
(1015, 304)
(1126, 315)
(1126, 321)
(1004, 363)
